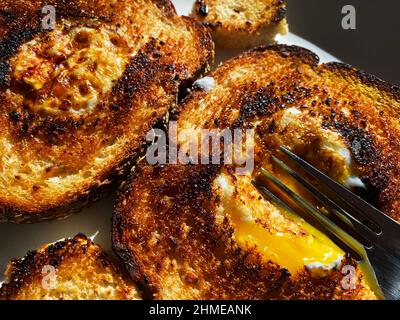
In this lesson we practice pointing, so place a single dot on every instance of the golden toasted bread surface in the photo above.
(204, 232)
(78, 99)
(70, 269)
(242, 24)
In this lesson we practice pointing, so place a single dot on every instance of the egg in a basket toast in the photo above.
(205, 232)
(78, 97)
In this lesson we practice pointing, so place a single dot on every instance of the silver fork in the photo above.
(353, 224)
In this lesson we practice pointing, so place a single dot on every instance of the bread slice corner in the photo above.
(70, 269)
(237, 24)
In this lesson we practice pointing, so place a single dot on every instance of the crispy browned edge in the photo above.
(24, 30)
(23, 271)
(279, 14)
(306, 56)
(343, 69)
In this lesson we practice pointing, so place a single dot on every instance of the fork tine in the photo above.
(265, 192)
(355, 202)
(273, 198)
(332, 229)
(361, 230)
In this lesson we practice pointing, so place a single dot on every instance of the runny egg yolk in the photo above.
(290, 251)
(293, 245)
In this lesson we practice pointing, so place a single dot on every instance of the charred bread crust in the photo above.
(22, 274)
(238, 24)
(41, 125)
(210, 264)
(205, 262)
(343, 69)
(347, 71)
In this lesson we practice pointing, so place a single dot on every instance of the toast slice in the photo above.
(78, 99)
(81, 270)
(242, 24)
(204, 232)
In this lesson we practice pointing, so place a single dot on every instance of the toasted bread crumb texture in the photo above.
(76, 101)
(167, 231)
(81, 271)
(242, 24)
(182, 229)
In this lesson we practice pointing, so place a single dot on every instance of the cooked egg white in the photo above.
(74, 69)
(332, 146)
(278, 235)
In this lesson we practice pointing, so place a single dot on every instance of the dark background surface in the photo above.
(374, 46)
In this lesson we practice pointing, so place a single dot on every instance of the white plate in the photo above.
(16, 240)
